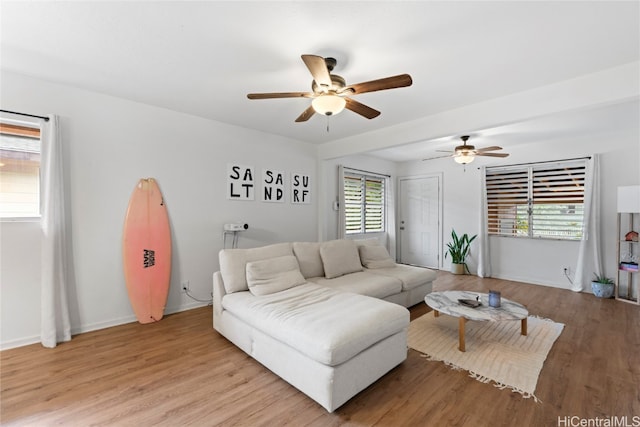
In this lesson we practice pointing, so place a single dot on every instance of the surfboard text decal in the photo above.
(149, 258)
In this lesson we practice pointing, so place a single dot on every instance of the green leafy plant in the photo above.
(603, 279)
(459, 247)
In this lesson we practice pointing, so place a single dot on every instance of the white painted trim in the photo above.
(440, 176)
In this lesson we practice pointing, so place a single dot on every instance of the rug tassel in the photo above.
(480, 378)
(524, 394)
(484, 380)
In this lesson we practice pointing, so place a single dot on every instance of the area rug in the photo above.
(496, 352)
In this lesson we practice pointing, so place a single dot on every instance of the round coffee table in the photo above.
(447, 302)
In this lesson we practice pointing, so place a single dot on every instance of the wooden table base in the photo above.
(461, 327)
(462, 322)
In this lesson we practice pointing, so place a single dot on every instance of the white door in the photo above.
(419, 225)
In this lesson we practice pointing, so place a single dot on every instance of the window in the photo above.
(19, 171)
(544, 200)
(364, 203)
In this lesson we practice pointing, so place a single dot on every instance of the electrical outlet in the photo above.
(185, 286)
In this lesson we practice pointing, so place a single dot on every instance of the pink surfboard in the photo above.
(146, 251)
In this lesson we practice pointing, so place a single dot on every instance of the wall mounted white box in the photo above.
(629, 199)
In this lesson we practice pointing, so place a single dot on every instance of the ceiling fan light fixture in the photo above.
(464, 158)
(329, 104)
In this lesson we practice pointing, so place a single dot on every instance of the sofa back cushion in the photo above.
(372, 241)
(308, 254)
(339, 257)
(375, 257)
(273, 275)
(233, 263)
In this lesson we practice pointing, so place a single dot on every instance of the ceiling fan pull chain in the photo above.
(327, 123)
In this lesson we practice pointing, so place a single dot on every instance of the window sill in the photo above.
(555, 239)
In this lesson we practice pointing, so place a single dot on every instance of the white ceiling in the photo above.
(202, 58)
(600, 121)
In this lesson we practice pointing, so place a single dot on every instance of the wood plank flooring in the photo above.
(181, 372)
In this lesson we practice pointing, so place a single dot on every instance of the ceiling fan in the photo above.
(466, 153)
(330, 93)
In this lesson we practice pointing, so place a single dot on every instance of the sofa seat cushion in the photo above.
(363, 283)
(410, 276)
(326, 325)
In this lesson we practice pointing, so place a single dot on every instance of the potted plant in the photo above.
(459, 248)
(602, 286)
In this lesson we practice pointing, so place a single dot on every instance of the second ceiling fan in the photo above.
(330, 92)
(466, 153)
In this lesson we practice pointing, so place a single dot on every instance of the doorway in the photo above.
(420, 219)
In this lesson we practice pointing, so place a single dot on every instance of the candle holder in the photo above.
(494, 299)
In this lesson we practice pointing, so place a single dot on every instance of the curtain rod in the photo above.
(46, 119)
(537, 163)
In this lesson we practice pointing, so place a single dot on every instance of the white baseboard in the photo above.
(532, 281)
(132, 318)
(21, 342)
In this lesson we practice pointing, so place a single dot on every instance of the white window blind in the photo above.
(544, 200)
(364, 203)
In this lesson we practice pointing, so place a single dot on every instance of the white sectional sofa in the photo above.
(329, 317)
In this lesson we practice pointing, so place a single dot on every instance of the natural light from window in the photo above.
(19, 171)
(364, 199)
(539, 201)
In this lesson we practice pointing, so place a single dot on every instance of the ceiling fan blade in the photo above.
(280, 95)
(493, 154)
(492, 148)
(318, 69)
(401, 80)
(361, 109)
(306, 114)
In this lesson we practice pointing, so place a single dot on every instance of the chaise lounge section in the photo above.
(316, 315)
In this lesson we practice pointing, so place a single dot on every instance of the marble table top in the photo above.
(447, 302)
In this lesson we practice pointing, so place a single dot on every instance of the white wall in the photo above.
(529, 260)
(110, 143)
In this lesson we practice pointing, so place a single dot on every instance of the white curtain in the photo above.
(589, 257)
(341, 211)
(55, 324)
(484, 259)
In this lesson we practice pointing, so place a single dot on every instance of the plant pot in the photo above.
(457, 268)
(602, 290)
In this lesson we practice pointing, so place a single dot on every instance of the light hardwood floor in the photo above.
(179, 371)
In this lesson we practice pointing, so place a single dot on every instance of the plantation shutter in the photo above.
(507, 201)
(558, 201)
(543, 200)
(353, 204)
(374, 205)
(364, 203)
